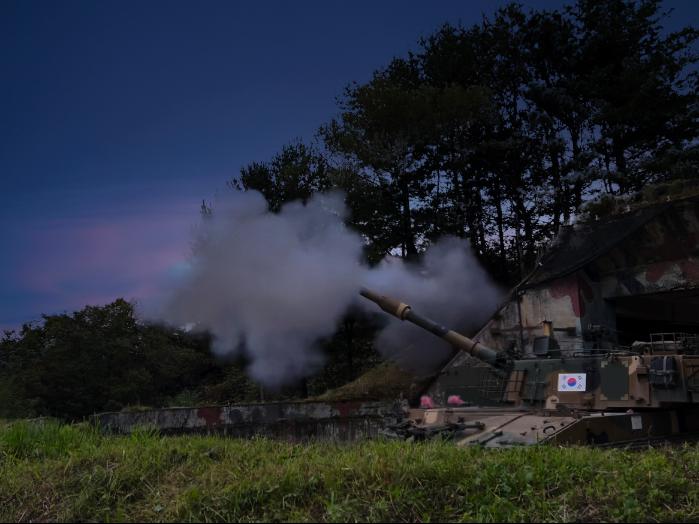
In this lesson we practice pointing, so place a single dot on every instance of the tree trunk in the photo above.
(500, 220)
(410, 249)
(465, 223)
(578, 184)
(557, 191)
(621, 167)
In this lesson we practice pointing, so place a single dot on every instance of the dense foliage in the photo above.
(97, 359)
(74, 474)
(102, 359)
(500, 132)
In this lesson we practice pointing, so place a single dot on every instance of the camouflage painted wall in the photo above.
(339, 421)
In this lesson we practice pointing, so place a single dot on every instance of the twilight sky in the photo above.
(118, 117)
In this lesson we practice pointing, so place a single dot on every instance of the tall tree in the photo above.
(381, 131)
(509, 126)
(644, 99)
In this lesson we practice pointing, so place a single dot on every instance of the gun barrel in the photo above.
(403, 311)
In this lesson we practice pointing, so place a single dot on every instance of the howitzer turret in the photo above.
(403, 311)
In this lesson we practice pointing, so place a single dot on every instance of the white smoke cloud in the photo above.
(269, 286)
(449, 287)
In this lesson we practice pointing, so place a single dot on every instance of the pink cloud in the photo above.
(88, 261)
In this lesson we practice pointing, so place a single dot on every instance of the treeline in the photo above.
(104, 359)
(500, 132)
(97, 359)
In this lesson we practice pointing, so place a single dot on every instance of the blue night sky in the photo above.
(118, 118)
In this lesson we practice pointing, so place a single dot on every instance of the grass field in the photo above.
(52, 472)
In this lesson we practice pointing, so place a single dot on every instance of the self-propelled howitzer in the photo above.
(584, 397)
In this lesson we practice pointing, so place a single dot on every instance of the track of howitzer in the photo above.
(652, 442)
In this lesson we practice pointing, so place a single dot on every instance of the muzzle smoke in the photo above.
(269, 286)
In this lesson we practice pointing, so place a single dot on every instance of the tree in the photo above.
(645, 101)
(381, 132)
(101, 359)
(501, 131)
(295, 173)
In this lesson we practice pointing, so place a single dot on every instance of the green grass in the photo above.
(52, 472)
(385, 381)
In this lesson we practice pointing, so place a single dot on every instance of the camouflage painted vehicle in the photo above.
(600, 397)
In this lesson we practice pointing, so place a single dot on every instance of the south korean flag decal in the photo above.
(572, 382)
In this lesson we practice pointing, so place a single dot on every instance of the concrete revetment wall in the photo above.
(336, 421)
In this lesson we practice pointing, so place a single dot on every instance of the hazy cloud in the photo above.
(269, 286)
